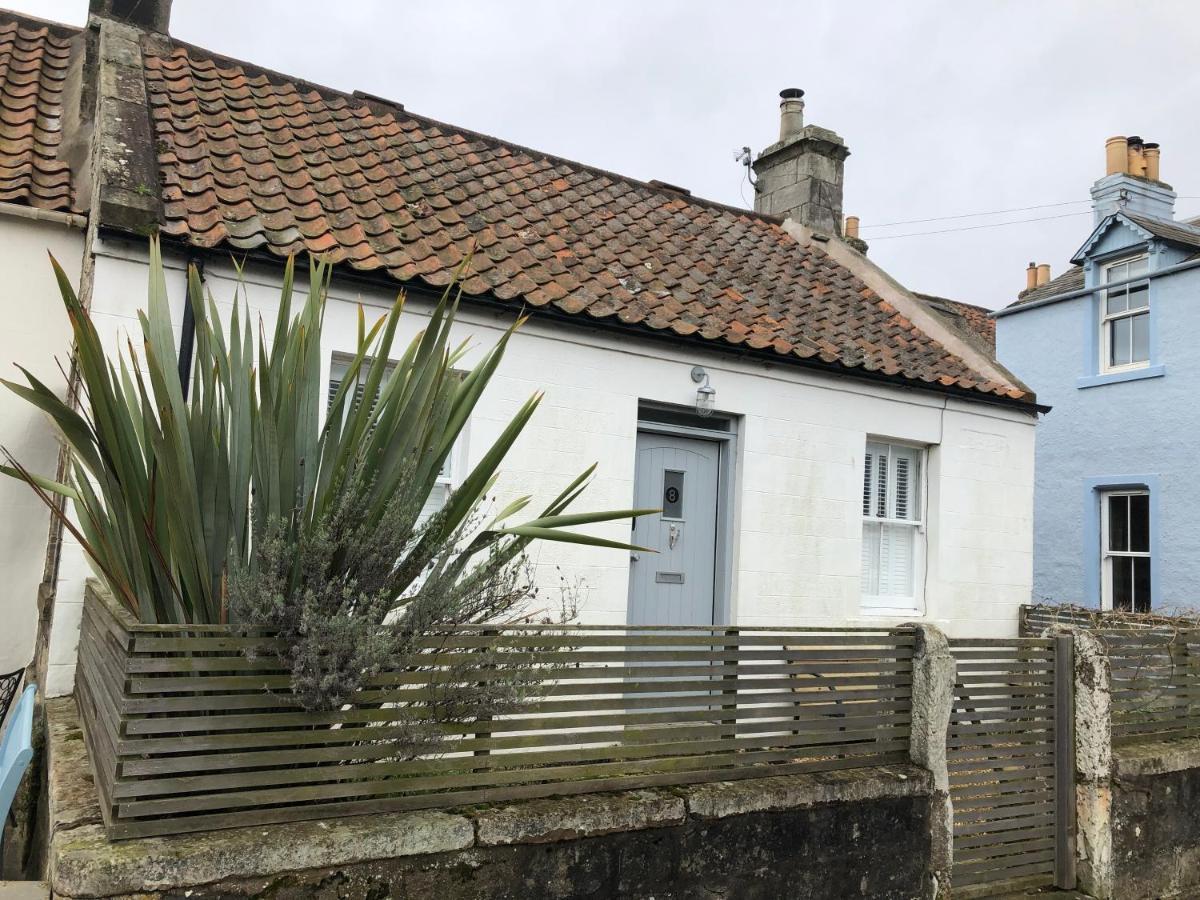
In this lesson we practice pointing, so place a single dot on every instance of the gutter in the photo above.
(17, 210)
(1083, 292)
(386, 282)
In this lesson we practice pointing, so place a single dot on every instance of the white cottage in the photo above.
(827, 447)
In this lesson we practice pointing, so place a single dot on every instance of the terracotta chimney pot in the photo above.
(1116, 155)
(1151, 152)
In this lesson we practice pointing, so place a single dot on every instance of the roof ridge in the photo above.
(1174, 223)
(399, 110)
(939, 298)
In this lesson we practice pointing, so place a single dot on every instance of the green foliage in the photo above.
(314, 522)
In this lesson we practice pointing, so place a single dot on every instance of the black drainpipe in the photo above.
(187, 340)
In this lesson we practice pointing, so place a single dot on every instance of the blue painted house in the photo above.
(1111, 345)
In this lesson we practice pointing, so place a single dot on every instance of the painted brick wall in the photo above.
(1146, 427)
(35, 331)
(801, 442)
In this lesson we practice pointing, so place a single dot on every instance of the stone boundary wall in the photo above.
(1156, 820)
(852, 833)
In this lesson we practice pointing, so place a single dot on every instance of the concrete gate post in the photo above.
(932, 700)
(1093, 763)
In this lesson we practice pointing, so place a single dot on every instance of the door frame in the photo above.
(727, 441)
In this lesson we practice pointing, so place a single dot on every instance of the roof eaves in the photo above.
(345, 272)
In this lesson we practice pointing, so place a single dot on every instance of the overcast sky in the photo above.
(949, 108)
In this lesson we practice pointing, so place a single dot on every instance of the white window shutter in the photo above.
(906, 502)
(896, 545)
(891, 492)
(868, 480)
(436, 500)
(870, 559)
(441, 490)
(875, 481)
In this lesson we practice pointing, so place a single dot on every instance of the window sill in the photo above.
(880, 609)
(1116, 377)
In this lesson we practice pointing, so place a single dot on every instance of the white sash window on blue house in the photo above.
(1125, 317)
(441, 490)
(1125, 546)
(892, 535)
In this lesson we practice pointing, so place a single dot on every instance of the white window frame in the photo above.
(1107, 555)
(455, 459)
(1107, 319)
(888, 604)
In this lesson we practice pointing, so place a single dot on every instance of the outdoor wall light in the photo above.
(706, 394)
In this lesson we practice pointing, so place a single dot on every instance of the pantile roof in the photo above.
(34, 58)
(976, 320)
(253, 160)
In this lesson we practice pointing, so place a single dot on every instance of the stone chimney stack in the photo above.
(800, 176)
(1131, 181)
(148, 15)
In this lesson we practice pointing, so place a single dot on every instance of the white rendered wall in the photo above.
(35, 331)
(797, 517)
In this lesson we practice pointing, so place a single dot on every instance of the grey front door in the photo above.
(676, 585)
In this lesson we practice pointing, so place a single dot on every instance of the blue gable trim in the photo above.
(1092, 488)
(1102, 229)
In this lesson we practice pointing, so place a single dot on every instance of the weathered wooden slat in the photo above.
(962, 735)
(988, 754)
(965, 786)
(749, 676)
(1005, 668)
(989, 852)
(244, 740)
(997, 802)
(272, 815)
(566, 665)
(505, 767)
(658, 697)
(550, 637)
(798, 681)
(1018, 855)
(1003, 653)
(1031, 820)
(1011, 838)
(191, 727)
(979, 714)
(381, 787)
(378, 745)
(1046, 644)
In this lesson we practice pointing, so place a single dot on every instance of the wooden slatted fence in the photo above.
(1154, 663)
(1004, 750)
(1155, 684)
(187, 732)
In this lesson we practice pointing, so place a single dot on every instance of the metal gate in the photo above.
(1010, 755)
